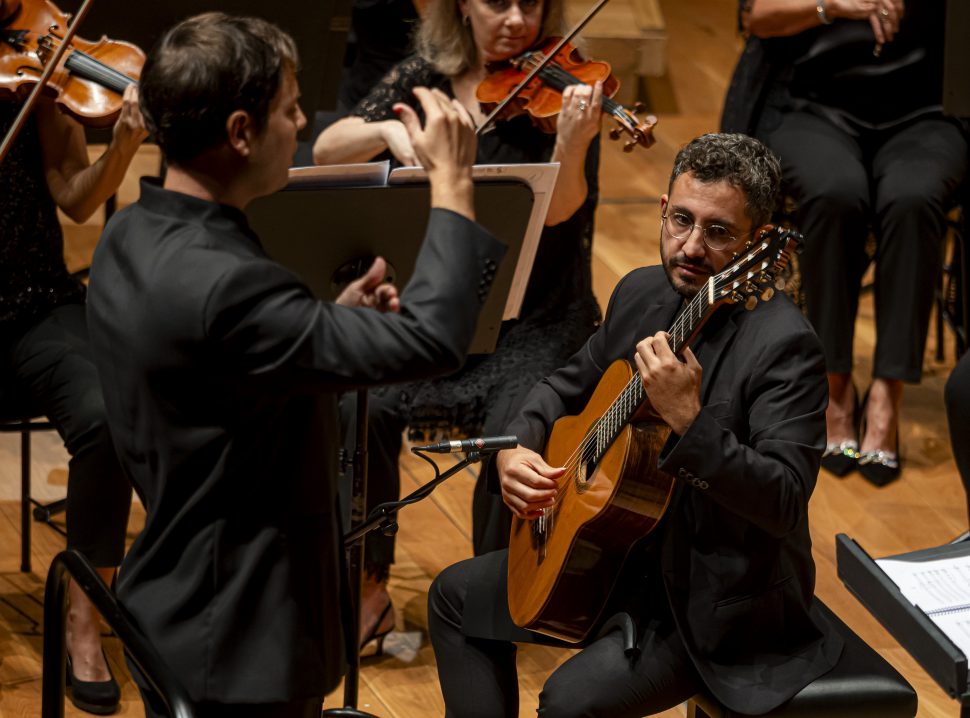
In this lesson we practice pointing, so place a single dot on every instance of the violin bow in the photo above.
(49, 68)
(538, 68)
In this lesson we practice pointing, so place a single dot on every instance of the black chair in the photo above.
(18, 417)
(862, 685)
(151, 666)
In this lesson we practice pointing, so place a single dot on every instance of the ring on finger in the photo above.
(583, 105)
(885, 12)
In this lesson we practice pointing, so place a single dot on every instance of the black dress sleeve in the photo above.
(398, 86)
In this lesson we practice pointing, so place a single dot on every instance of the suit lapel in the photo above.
(711, 344)
(658, 316)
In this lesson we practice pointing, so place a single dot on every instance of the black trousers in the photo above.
(48, 367)
(957, 397)
(900, 182)
(478, 675)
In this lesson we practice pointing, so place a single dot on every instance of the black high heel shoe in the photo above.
(879, 467)
(98, 697)
(377, 636)
(841, 458)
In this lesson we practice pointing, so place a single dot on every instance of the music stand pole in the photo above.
(382, 517)
(355, 566)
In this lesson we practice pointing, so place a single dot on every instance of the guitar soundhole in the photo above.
(584, 472)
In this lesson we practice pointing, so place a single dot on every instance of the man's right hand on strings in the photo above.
(528, 482)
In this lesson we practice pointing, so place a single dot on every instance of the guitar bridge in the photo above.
(540, 530)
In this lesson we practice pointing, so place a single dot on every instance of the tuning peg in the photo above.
(767, 294)
(750, 287)
(614, 133)
(780, 284)
(639, 107)
(628, 147)
(751, 302)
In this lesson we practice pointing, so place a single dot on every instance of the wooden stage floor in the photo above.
(926, 507)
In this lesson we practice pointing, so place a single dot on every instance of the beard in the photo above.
(685, 286)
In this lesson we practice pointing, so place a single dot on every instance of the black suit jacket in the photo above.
(735, 548)
(220, 374)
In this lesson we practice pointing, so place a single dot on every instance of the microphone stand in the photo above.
(384, 517)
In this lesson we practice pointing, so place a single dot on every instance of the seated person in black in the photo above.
(849, 93)
(45, 360)
(454, 42)
(722, 590)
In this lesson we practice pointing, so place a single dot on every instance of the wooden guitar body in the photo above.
(563, 567)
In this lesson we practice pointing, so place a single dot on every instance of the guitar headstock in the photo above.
(756, 272)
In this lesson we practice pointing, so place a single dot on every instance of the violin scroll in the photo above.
(640, 132)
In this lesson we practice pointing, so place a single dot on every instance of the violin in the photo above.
(541, 97)
(89, 83)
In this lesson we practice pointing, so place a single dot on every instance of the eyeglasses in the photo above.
(680, 226)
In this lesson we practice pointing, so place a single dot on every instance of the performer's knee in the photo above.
(563, 696)
(446, 598)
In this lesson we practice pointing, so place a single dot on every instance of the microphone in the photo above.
(483, 445)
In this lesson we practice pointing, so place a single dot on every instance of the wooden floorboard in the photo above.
(925, 507)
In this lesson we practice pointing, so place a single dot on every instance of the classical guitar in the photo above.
(563, 565)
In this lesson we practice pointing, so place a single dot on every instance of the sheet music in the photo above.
(941, 589)
(363, 174)
(542, 179)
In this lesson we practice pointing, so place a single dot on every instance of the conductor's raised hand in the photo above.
(371, 290)
(445, 146)
(528, 482)
(673, 386)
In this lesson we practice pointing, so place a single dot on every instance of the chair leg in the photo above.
(43, 513)
(25, 501)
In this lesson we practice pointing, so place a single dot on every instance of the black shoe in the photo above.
(377, 637)
(840, 459)
(881, 467)
(878, 467)
(98, 697)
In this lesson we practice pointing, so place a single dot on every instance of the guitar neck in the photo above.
(682, 331)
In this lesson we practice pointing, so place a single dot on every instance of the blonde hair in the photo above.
(447, 43)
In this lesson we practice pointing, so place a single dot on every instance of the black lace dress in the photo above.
(559, 311)
(33, 278)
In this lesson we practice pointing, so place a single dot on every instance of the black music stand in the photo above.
(328, 236)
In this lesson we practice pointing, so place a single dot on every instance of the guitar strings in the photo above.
(679, 334)
(682, 328)
(679, 331)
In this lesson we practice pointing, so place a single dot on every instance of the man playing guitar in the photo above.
(721, 592)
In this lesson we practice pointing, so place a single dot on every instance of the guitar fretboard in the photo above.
(608, 427)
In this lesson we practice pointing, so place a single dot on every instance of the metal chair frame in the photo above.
(155, 671)
(25, 426)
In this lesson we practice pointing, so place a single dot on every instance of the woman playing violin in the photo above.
(456, 42)
(45, 362)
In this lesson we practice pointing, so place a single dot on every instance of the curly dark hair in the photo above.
(741, 160)
(205, 68)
